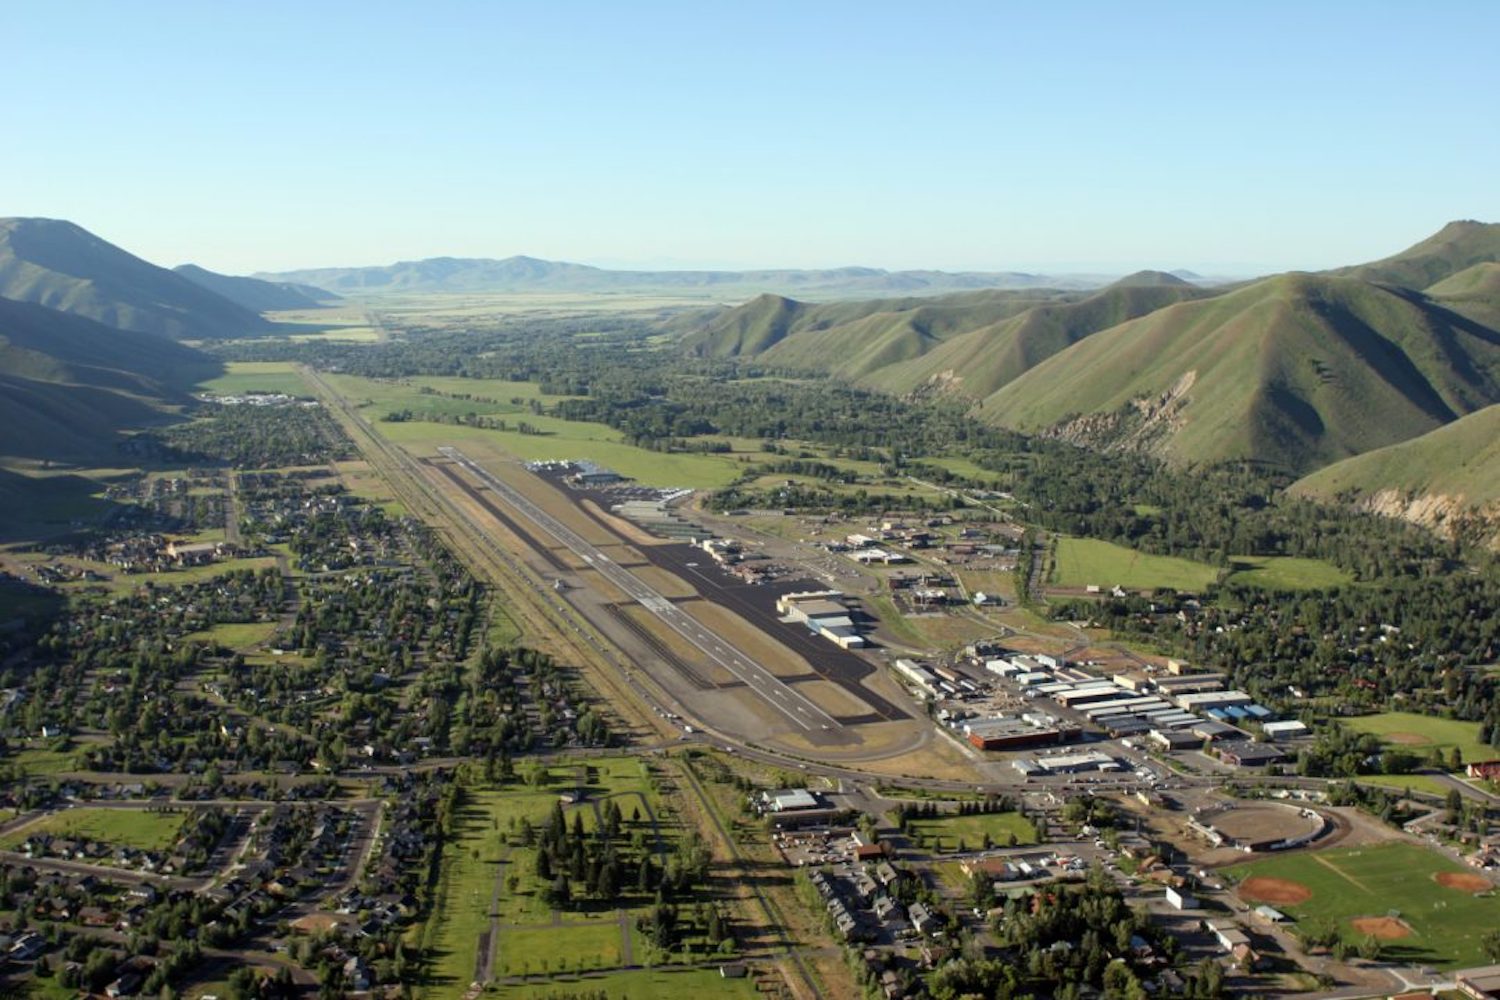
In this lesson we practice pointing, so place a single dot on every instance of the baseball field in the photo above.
(1423, 908)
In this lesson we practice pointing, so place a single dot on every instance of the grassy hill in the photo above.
(977, 362)
(1447, 479)
(1296, 371)
(68, 385)
(1454, 248)
(254, 294)
(1152, 279)
(529, 274)
(853, 338)
(64, 267)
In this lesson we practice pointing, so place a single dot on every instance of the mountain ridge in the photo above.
(60, 265)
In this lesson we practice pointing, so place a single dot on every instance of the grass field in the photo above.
(554, 949)
(552, 437)
(235, 635)
(146, 831)
(1083, 562)
(1428, 783)
(701, 984)
(1420, 733)
(257, 376)
(480, 857)
(944, 833)
(40, 763)
(1399, 880)
(1287, 573)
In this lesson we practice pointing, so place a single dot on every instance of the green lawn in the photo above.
(1083, 562)
(950, 830)
(236, 635)
(257, 376)
(41, 763)
(1287, 573)
(595, 945)
(1428, 783)
(1397, 879)
(138, 828)
(701, 984)
(1420, 733)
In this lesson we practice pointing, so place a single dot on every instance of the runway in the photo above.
(805, 714)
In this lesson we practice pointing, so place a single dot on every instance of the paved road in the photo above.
(798, 708)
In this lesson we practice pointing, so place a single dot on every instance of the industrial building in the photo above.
(824, 613)
(1277, 731)
(1073, 763)
(1197, 701)
(1009, 733)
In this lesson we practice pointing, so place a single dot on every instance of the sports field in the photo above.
(1420, 733)
(1423, 907)
(1085, 562)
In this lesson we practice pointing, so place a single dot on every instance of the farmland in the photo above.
(1443, 923)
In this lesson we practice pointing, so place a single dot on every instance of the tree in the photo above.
(1490, 943)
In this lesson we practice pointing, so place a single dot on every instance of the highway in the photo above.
(786, 699)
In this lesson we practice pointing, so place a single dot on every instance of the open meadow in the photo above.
(1085, 562)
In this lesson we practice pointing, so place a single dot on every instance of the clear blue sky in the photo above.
(1110, 136)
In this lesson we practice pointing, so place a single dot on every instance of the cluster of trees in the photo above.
(1068, 941)
(258, 437)
(603, 865)
(494, 720)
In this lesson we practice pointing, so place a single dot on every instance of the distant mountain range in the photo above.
(254, 294)
(529, 274)
(64, 267)
(1385, 376)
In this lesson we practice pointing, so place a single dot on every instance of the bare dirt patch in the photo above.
(1276, 891)
(1381, 928)
(1463, 881)
(1407, 739)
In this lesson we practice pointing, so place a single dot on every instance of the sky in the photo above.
(1105, 137)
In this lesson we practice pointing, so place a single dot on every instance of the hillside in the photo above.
(852, 338)
(1483, 279)
(977, 362)
(61, 266)
(1294, 371)
(1447, 479)
(529, 274)
(254, 294)
(68, 385)
(1152, 279)
(1454, 248)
